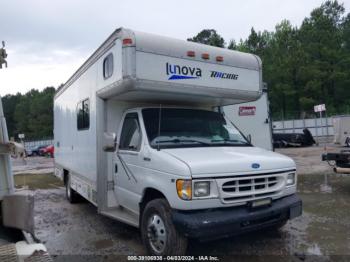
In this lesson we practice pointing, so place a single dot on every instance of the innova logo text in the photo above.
(177, 72)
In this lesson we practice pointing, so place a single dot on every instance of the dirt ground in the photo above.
(308, 159)
(77, 233)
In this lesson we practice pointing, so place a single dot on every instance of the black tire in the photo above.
(71, 195)
(175, 243)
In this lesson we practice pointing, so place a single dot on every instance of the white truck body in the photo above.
(341, 127)
(6, 178)
(149, 73)
(253, 119)
(17, 210)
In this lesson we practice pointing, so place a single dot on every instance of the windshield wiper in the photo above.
(177, 140)
(231, 141)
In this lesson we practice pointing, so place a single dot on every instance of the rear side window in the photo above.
(108, 66)
(83, 115)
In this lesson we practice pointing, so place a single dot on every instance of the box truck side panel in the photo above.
(253, 119)
(76, 145)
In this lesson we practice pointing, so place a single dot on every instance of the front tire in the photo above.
(158, 232)
(71, 195)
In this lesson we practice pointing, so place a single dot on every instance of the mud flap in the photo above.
(18, 212)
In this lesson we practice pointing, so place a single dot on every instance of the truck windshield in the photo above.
(190, 128)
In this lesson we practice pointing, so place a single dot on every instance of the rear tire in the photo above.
(158, 232)
(71, 195)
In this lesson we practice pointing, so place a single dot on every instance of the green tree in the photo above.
(208, 37)
(323, 73)
(31, 113)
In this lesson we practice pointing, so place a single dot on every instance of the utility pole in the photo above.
(3, 55)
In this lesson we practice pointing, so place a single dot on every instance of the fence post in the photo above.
(316, 129)
(283, 122)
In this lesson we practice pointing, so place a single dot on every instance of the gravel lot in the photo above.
(77, 233)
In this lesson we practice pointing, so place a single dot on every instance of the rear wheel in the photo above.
(72, 195)
(158, 232)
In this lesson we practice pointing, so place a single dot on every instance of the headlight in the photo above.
(201, 189)
(291, 179)
(184, 189)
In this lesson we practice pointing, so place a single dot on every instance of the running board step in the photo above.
(123, 215)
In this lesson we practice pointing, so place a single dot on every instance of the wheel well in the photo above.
(65, 176)
(149, 195)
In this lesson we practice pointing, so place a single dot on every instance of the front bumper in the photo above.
(224, 222)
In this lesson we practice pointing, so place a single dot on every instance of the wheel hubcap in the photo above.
(156, 233)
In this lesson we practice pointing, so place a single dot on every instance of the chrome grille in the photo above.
(249, 187)
(249, 184)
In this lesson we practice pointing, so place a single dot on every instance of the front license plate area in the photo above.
(260, 203)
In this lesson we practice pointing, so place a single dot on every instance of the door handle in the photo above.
(147, 159)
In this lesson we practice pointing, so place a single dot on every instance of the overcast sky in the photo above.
(48, 40)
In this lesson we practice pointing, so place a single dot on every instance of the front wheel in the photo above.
(158, 232)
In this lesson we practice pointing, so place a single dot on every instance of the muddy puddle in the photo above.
(320, 234)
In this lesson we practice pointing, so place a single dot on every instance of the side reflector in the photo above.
(127, 41)
(191, 53)
(219, 59)
(205, 56)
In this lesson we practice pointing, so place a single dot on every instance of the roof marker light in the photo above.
(191, 53)
(127, 41)
(219, 59)
(205, 56)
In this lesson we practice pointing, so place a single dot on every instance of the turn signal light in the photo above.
(184, 189)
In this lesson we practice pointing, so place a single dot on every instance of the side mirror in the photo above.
(110, 142)
(249, 137)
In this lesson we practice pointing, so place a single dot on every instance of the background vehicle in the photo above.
(293, 139)
(341, 126)
(253, 119)
(47, 151)
(139, 132)
(35, 151)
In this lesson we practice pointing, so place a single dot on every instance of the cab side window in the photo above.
(130, 138)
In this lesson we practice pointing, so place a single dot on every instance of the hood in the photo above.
(230, 160)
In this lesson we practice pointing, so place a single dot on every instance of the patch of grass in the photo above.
(37, 181)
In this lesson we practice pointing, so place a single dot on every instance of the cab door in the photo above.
(128, 163)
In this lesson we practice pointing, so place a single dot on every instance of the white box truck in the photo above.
(341, 127)
(139, 133)
(253, 120)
